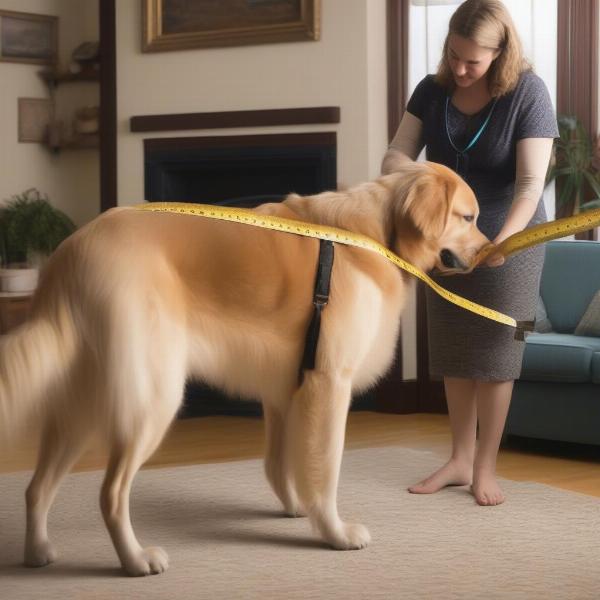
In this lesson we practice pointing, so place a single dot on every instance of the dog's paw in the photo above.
(150, 561)
(350, 536)
(40, 555)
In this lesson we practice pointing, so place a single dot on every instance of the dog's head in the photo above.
(435, 219)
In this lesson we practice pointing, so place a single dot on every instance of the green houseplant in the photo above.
(575, 167)
(30, 229)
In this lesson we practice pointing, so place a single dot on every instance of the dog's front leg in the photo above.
(316, 426)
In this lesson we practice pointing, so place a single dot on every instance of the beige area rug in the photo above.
(227, 538)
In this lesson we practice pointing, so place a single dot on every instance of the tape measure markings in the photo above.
(245, 216)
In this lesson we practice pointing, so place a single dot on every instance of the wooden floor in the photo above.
(217, 439)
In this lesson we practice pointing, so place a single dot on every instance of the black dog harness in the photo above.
(320, 300)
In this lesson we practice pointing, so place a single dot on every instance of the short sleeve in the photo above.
(536, 118)
(420, 97)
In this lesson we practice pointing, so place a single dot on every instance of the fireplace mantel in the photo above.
(236, 118)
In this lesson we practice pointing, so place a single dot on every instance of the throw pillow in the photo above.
(589, 325)
(542, 322)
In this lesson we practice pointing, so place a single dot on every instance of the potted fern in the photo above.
(30, 229)
(575, 167)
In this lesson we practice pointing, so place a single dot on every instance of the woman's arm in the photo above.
(406, 145)
(533, 156)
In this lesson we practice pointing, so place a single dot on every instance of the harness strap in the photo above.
(320, 300)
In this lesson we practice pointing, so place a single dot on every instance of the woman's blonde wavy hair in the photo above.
(488, 24)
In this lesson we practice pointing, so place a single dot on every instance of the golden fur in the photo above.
(136, 301)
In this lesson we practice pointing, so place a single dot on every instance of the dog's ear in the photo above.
(428, 203)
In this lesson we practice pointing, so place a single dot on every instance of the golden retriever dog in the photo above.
(137, 301)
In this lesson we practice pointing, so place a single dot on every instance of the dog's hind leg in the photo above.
(124, 462)
(130, 449)
(59, 449)
(146, 361)
(316, 435)
(277, 466)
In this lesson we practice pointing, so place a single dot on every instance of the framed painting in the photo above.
(184, 24)
(28, 38)
(35, 115)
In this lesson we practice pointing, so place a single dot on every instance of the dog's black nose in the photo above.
(450, 260)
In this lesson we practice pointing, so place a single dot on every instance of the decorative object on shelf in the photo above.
(35, 116)
(575, 167)
(85, 59)
(86, 52)
(28, 38)
(86, 120)
(30, 229)
(178, 24)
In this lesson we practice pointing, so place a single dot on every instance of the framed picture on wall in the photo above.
(35, 115)
(180, 24)
(28, 38)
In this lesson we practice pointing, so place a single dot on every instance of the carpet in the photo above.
(227, 538)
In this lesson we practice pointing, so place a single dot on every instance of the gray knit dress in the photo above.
(462, 344)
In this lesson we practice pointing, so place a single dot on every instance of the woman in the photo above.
(486, 115)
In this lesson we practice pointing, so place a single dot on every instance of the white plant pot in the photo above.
(19, 279)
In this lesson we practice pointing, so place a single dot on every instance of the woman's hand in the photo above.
(495, 259)
(489, 256)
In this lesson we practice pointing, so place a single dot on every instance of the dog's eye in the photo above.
(468, 218)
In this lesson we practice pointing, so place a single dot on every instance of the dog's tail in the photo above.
(34, 359)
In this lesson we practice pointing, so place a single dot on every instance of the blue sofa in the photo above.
(557, 396)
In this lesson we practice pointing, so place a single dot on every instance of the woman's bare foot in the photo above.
(452, 473)
(486, 490)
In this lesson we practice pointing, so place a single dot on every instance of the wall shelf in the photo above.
(80, 142)
(55, 78)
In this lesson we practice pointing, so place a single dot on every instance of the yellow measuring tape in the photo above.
(544, 232)
(530, 237)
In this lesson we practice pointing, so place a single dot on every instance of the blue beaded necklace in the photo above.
(462, 158)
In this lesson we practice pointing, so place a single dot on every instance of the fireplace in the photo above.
(239, 170)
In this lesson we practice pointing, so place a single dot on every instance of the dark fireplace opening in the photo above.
(237, 171)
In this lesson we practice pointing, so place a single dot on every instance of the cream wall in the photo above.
(346, 68)
(71, 178)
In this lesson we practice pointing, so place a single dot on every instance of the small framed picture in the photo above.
(35, 115)
(28, 38)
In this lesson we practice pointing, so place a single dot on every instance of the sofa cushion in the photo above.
(570, 279)
(559, 357)
(590, 322)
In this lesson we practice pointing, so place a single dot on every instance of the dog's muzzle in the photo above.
(451, 261)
